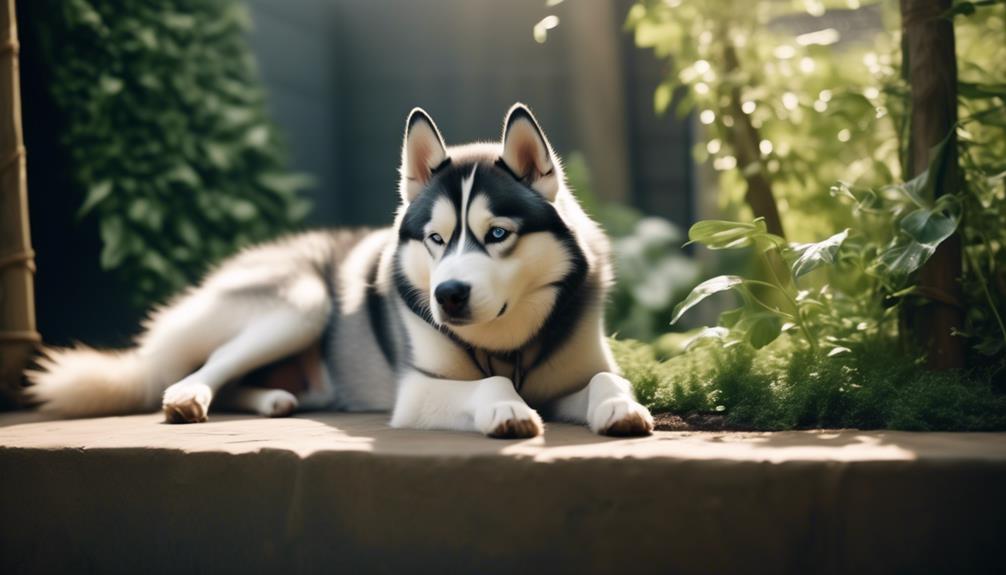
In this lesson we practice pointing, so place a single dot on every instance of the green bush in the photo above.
(167, 135)
(823, 130)
(785, 386)
(824, 110)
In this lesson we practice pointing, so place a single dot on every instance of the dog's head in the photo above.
(484, 249)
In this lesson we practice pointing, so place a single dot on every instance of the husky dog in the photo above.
(479, 307)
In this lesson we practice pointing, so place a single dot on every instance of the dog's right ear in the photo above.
(422, 152)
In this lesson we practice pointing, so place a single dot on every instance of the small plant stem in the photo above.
(772, 270)
(766, 284)
(807, 334)
(770, 308)
(798, 318)
(985, 290)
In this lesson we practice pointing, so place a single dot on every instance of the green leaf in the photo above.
(923, 231)
(978, 91)
(243, 210)
(114, 248)
(704, 290)
(720, 333)
(922, 189)
(814, 255)
(155, 263)
(723, 235)
(96, 193)
(914, 189)
(990, 346)
(183, 174)
(730, 317)
(298, 209)
(967, 8)
(760, 329)
(719, 234)
(662, 97)
(930, 227)
(110, 85)
(287, 183)
(901, 259)
(188, 233)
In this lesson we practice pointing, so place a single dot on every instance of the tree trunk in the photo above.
(931, 60)
(744, 139)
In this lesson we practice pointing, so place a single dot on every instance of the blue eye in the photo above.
(437, 239)
(497, 234)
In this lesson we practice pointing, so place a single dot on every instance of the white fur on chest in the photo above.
(566, 371)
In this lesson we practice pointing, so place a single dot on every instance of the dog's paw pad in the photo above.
(512, 420)
(620, 417)
(187, 411)
(186, 403)
(633, 424)
(516, 429)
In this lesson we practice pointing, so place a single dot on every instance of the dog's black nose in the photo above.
(452, 296)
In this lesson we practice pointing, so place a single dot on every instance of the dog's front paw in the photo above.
(621, 417)
(509, 420)
(186, 402)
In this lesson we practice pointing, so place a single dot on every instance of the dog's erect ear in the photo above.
(527, 154)
(422, 151)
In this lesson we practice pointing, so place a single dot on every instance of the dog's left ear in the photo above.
(527, 153)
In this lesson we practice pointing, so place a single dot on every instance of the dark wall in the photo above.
(294, 44)
(343, 75)
(661, 162)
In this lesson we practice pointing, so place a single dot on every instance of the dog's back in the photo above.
(300, 274)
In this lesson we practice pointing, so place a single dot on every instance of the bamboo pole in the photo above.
(18, 337)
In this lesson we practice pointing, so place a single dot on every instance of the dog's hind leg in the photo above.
(260, 400)
(264, 339)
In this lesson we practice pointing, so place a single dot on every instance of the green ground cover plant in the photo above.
(786, 386)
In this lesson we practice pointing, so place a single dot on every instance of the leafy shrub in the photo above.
(786, 386)
(167, 133)
(802, 111)
(652, 274)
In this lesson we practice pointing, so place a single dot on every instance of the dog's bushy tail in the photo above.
(84, 382)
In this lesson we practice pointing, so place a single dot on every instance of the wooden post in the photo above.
(931, 59)
(594, 59)
(18, 337)
(744, 139)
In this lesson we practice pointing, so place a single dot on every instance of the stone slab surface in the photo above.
(343, 493)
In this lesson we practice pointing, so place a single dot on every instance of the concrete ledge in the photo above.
(343, 493)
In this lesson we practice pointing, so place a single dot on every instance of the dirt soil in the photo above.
(694, 422)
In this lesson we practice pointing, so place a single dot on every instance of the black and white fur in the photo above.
(479, 308)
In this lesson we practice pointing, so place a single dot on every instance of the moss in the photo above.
(784, 386)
